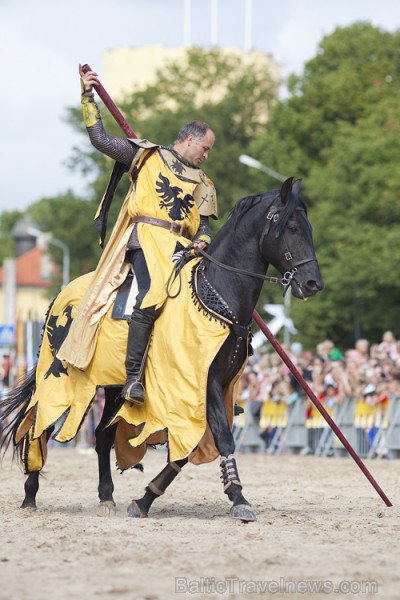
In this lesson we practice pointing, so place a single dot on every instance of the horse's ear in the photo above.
(286, 189)
(296, 187)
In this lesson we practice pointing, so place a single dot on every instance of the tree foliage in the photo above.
(69, 220)
(339, 131)
(7, 222)
(221, 89)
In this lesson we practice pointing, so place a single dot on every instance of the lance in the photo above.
(129, 132)
(296, 373)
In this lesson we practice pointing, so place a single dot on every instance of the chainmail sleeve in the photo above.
(117, 148)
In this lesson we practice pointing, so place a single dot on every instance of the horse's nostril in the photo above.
(317, 285)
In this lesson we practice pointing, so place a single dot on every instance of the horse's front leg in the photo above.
(104, 441)
(223, 438)
(155, 489)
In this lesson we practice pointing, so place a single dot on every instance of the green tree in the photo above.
(355, 69)
(338, 130)
(357, 220)
(68, 219)
(7, 222)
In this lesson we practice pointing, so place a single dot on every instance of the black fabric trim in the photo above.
(100, 222)
(201, 306)
(214, 306)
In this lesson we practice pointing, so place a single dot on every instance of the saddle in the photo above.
(125, 298)
(127, 292)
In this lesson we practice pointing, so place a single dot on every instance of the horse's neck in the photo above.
(239, 291)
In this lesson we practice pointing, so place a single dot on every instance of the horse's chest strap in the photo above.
(213, 304)
(241, 331)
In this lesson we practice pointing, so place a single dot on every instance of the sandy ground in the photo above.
(320, 523)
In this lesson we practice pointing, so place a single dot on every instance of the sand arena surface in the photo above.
(320, 522)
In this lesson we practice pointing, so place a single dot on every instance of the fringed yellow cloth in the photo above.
(183, 346)
(62, 391)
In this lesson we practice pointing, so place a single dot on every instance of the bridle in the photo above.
(288, 276)
(285, 280)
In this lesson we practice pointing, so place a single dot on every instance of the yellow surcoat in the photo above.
(163, 193)
(163, 189)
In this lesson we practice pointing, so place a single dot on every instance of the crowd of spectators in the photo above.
(368, 373)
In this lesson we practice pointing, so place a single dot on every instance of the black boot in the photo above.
(139, 334)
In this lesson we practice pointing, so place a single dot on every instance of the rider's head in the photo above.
(194, 142)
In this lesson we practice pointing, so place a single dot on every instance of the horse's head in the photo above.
(286, 241)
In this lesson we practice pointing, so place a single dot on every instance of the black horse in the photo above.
(269, 228)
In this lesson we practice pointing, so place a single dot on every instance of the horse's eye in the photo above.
(292, 227)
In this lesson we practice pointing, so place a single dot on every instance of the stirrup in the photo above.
(134, 392)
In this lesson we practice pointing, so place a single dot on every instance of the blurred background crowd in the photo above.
(359, 387)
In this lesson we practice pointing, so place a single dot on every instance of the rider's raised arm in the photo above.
(117, 148)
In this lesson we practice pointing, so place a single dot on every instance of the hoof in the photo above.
(243, 512)
(135, 511)
(29, 506)
(106, 509)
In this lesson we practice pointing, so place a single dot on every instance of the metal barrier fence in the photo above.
(297, 428)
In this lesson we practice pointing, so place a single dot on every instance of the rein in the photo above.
(285, 280)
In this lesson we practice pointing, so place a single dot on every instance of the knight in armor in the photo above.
(168, 207)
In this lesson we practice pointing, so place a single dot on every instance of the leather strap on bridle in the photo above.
(241, 271)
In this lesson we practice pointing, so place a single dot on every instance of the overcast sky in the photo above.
(42, 42)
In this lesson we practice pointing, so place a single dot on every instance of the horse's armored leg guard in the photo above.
(233, 489)
(160, 483)
(229, 472)
(139, 334)
(156, 488)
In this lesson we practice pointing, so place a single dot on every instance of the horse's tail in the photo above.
(12, 409)
(14, 404)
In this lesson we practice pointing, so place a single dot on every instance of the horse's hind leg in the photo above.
(156, 488)
(31, 488)
(104, 441)
(223, 438)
